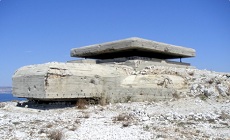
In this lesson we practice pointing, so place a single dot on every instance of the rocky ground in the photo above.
(201, 112)
(187, 118)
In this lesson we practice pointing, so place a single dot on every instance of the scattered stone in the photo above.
(145, 118)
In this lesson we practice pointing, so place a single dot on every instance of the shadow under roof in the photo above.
(133, 47)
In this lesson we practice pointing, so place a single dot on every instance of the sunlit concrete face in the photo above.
(133, 47)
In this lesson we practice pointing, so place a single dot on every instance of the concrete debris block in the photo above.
(209, 91)
(191, 114)
(145, 118)
(222, 89)
(194, 87)
(201, 88)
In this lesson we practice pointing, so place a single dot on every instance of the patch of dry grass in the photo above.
(55, 135)
(224, 116)
(176, 95)
(81, 103)
(2, 105)
(125, 118)
(49, 125)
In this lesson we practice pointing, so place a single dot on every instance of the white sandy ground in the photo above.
(187, 118)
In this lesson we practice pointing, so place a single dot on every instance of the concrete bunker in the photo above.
(112, 72)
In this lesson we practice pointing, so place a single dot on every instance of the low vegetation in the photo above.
(124, 118)
(55, 135)
(81, 103)
(2, 105)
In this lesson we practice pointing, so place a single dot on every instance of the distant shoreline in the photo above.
(5, 90)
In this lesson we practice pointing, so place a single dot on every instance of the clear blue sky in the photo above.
(40, 31)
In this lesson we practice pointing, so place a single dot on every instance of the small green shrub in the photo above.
(146, 128)
(202, 97)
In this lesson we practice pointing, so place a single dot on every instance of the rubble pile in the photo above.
(203, 83)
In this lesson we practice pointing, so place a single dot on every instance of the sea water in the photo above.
(4, 97)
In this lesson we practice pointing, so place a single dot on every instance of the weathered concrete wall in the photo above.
(111, 83)
(62, 80)
(144, 88)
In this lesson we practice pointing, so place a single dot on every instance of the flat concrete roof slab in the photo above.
(133, 47)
